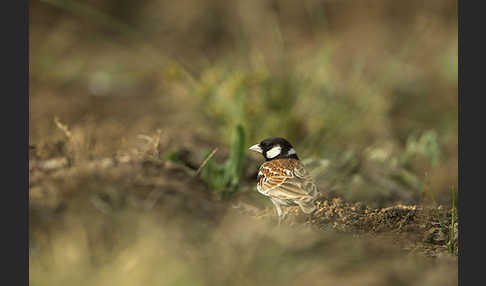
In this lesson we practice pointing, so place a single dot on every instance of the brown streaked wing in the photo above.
(286, 185)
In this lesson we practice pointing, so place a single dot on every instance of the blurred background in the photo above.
(366, 91)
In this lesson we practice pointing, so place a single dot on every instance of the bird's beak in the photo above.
(256, 148)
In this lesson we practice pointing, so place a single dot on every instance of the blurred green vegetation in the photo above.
(224, 179)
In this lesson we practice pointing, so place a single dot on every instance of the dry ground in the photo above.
(158, 224)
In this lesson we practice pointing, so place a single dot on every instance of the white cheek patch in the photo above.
(274, 152)
(292, 151)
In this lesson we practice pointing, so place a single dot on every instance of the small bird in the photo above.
(283, 178)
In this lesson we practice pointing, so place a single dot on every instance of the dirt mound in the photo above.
(412, 227)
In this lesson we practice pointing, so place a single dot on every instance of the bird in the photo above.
(283, 178)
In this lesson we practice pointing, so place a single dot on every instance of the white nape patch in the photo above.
(292, 151)
(274, 152)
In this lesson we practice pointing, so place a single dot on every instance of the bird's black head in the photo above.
(275, 148)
